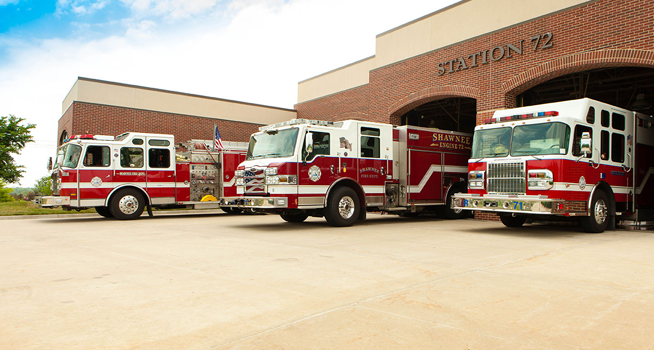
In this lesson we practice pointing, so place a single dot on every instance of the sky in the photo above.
(246, 50)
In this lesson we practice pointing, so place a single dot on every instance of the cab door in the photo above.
(317, 169)
(374, 164)
(160, 169)
(95, 175)
(130, 163)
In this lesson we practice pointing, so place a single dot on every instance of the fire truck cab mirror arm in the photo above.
(49, 164)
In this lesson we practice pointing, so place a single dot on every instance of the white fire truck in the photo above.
(579, 158)
(340, 170)
(120, 176)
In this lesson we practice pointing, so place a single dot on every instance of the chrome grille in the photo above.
(506, 178)
(254, 181)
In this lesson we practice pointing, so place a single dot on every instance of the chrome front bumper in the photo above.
(256, 202)
(507, 204)
(52, 201)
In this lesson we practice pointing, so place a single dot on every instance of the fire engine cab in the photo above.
(120, 176)
(579, 158)
(340, 170)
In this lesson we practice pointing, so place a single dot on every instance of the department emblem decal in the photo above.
(96, 181)
(582, 182)
(314, 173)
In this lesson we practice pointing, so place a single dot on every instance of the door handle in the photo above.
(332, 168)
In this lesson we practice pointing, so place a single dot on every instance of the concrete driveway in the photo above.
(256, 282)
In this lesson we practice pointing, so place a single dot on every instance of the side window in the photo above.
(590, 117)
(99, 156)
(618, 121)
(163, 143)
(137, 141)
(605, 145)
(131, 157)
(370, 143)
(158, 158)
(579, 130)
(320, 145)
(606, 118)
(617, 148)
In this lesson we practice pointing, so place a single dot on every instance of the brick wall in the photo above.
(83, 118)
(603, 33)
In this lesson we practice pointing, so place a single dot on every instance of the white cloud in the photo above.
(79, 7)
(8, 2)
(259, 55)
(170, 9)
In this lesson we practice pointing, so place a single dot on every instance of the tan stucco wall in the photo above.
(350, 76)
(461, 21)
(122, 95)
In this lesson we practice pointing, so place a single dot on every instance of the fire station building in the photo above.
(449, 69)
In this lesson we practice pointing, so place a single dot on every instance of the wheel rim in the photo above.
(601, 211)
(346, 207)
(128, 205)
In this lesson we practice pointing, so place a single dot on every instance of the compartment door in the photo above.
(425, 177)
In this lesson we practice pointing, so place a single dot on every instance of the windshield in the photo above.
(71, 154)
(549, 138)
(272, 144)
(491, 143)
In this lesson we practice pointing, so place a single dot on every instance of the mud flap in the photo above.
(150, 211)
(362, 214)
(611, 225)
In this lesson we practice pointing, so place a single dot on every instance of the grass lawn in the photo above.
(29, 208)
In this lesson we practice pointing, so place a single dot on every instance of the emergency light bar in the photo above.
(521, 116)
(297, 122)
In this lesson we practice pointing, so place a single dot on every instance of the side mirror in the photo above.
(586, 144)
(50, 164)
(308, 141)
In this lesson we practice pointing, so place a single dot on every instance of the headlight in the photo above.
(239, 173)
(476, 180)
(240, 181)
(540, 179)
(272, 180)
(271, 171)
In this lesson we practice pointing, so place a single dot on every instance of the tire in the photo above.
(598, 220)
(513, 221)
(104, 211)
(453, 214)
(342, 207)
(295, 218)
(127, 204)
(231, 210)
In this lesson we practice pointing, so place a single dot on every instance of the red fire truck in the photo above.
(579, 158)
(340, 170)
(120, 176)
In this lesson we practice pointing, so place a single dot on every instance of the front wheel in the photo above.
(127, 204)
(513, 221)
(295, 218)
(342, 207)
(104, 211)
(598, 219)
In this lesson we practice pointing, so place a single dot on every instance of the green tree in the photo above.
(43, 186)
(13, 137)
(5, 193)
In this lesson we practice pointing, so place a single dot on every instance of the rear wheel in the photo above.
(104, 211)
(513, 221)
(342, 207)
(598, 219)
(297, 218)
(127, 204)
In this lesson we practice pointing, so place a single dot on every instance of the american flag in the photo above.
(217, 142)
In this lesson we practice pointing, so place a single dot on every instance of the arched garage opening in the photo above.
(627, 87)
(455, 113)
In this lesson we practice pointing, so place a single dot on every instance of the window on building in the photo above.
(579, 130)
(97, 156)
(131, 157)
(617, 148)
(605, 146)
(158, 158)
(320, 145)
